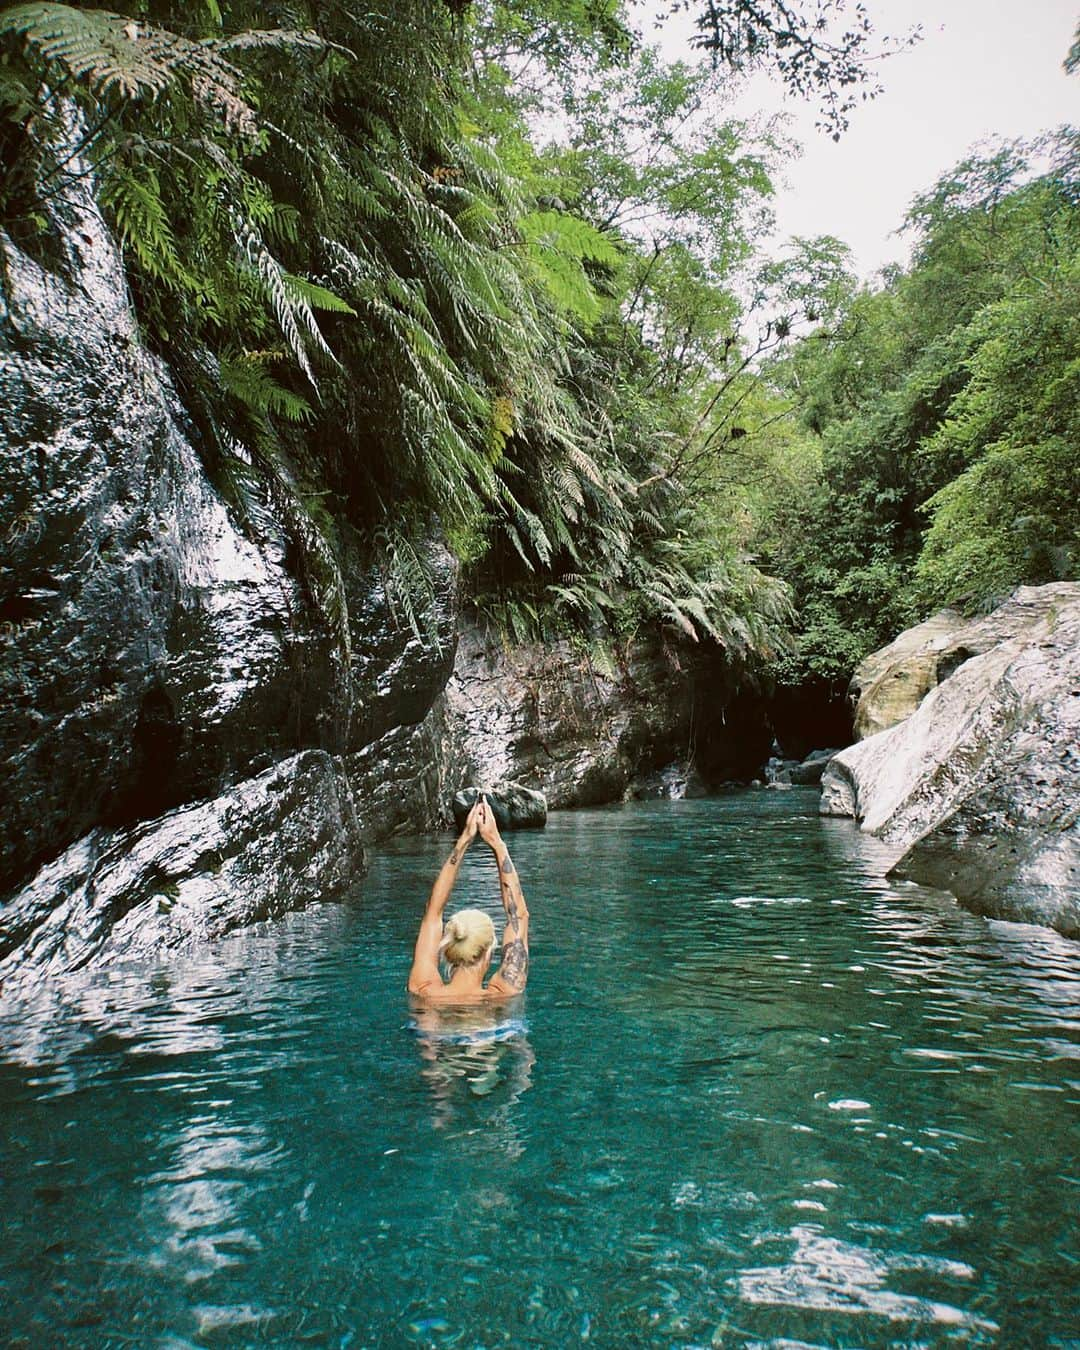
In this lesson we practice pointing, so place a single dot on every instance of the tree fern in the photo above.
(291, 297)
(111, 53)
(119, 56)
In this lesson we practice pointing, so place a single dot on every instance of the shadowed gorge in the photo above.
(409, 401)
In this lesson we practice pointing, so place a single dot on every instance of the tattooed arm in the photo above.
(513, 971)
(425, 965)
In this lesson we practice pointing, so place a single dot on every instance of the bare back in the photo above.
(466, 983)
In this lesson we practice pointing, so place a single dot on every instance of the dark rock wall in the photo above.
(151, 653)
(184, 746)
(187, 743)
(810, 717)
(400, 661)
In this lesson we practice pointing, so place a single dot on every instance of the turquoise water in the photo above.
(754, 1097)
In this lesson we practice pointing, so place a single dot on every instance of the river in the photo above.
(755, 1096)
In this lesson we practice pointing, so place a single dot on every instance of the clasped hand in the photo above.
(481, 820)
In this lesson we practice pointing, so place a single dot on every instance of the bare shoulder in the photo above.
(499, 991)
(427, 992)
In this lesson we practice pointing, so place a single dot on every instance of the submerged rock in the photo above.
(515, 807)
(978, 791)
(779, 770)
(674, 782)
(812, 768)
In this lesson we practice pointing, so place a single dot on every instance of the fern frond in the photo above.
(315, 296)
(142, 220)
(264, 39)
(244, 375)
(287, 296)
(109, 51)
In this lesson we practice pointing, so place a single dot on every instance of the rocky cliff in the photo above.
(188, 740)
(186, 743)
(555, 719)
(977, 790)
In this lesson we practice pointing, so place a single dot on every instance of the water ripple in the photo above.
(757, 1097)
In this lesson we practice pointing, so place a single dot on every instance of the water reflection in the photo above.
(828, 1275)
(473, 1053)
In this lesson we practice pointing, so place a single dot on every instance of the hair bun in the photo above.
(467, 935)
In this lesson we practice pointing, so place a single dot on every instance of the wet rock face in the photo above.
(545, 717)
(401, 780)
(401, 660)
(169, 696)
(978, 791)
(151, 653)
(254, 852)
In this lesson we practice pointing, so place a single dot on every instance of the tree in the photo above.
(941, 410)
(384, 295)
(821, 49)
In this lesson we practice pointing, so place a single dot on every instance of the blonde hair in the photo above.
(466, 937)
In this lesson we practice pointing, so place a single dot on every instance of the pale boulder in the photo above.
(890, 683)
(978, 791)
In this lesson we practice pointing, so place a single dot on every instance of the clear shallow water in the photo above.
(754, 1097)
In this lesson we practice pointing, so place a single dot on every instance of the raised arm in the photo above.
(513, 971)
(425, 965)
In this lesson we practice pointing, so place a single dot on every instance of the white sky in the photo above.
(983, 68)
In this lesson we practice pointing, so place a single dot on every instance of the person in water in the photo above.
(468, 939)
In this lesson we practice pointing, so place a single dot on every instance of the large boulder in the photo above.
(890, 684)
(268, 845)
(514, 806)
(978, 791)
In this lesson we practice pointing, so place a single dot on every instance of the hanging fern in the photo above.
(557, 247)
(133, 198)
(386, 310)
(244, 375)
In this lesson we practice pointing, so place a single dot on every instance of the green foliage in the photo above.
(558, 247)
(1012, 513)
(245, 376)
(940, 416)
(378, 288)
